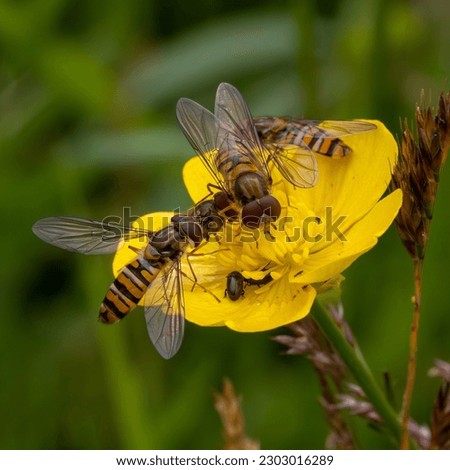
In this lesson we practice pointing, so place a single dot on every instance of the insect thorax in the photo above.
(250, 186)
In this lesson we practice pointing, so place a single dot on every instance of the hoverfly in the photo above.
(322, 137)
(154, 276)
(229, 146)
(236, 284)
(238, 153)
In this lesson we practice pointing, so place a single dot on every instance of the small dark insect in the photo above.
(236, 284)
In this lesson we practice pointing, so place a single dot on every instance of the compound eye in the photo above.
(223, 203)
(221, 200)
(192, 231)
(271, 207)
(251, 214)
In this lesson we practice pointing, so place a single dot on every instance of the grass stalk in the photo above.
(359, 369)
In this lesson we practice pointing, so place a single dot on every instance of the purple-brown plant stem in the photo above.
(413, 341)
(422, 157)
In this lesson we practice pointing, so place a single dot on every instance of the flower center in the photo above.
(278, 248)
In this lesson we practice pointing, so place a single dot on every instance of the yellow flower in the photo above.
(320, 232)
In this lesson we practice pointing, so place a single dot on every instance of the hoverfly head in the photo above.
(260, 211)
(191, 230)
(224, 205)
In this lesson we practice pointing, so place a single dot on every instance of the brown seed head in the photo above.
(422, 156)
(228, 406)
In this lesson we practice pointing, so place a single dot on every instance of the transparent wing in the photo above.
(90, 237)
(164, 310)
(297, 164)
(274, 128)
(342, 128)
(236, 128)
(201, 129)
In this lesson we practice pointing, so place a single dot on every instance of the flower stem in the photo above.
(359, 369)
(407, 395)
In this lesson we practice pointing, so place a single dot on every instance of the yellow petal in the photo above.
(353, 184)
(196, 178)
(332, 260)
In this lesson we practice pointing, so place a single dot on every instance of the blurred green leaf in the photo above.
(224, 50)
(158, 144)
(75, 77)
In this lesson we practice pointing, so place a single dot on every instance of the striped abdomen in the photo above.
(316, 139)
(128, 289)
(282, 131)
(244, 179)
(231, 164)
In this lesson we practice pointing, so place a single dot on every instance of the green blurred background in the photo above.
(87, 127)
